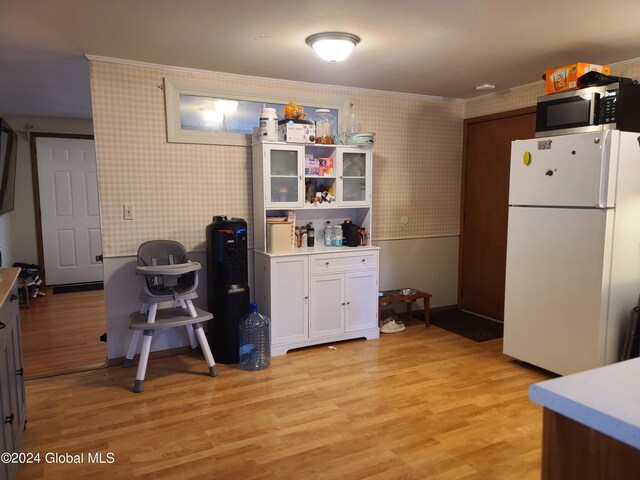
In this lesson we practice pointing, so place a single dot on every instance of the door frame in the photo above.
(463, 180)
(33, 136)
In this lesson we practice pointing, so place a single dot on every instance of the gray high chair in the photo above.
(168, 276)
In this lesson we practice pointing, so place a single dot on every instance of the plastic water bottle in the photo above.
(328, 234)
(255, 340)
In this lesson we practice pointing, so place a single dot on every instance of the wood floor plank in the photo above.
(423, 403)
(61, 333)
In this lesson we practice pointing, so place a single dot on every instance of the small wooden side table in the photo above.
(407, 295)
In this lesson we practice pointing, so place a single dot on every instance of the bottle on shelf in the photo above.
(255, 340)
(268, 124)
(311, 235)
(328, 234)
(303, 236)
(298, 237)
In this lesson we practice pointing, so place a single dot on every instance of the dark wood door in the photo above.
(483, 247)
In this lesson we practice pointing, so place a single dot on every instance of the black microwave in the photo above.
(614, 106)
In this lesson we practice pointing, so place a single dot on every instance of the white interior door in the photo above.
(69, 209)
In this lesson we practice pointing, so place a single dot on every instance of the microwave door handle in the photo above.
(594, 107)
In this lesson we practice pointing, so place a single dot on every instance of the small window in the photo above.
(200, 113)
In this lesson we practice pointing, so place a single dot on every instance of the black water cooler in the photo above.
(227, 285)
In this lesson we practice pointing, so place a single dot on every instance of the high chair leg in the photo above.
(138, 386)
(192, 338)
(213, 371)
(133, 346)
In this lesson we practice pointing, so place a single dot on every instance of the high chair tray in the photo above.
(176, 269)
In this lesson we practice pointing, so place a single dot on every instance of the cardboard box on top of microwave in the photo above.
(559, 79)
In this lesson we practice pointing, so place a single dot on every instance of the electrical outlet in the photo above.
(127, 211)
(404, 220)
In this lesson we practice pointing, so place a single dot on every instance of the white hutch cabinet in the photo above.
(316, 294)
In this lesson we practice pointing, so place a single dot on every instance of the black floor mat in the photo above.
(78, 287)
(468, 325)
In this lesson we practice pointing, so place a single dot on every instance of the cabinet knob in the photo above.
(9, 419)
(364, 260)
(306, 298)
(2, 325)
(348, 303)
(326, 264)
(13, 297)
(343, 304)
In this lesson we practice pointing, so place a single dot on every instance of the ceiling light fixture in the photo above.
(333, 46)
(485, 86)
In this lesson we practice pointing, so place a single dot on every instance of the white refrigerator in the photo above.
(573, 249)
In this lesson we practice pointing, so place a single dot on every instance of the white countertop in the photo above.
(606, 399)
(318, 249)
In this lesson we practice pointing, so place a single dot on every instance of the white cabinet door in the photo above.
(284, 180)
(289, 299)
(326, 305)
(354, 166)
(362, 300)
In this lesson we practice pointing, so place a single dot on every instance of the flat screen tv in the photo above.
(8, 161)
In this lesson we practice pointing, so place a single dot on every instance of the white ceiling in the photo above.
(431, 47)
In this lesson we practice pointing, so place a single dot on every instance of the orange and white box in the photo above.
(559, 79)
(326, 166)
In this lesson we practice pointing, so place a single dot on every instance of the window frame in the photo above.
(174, 87)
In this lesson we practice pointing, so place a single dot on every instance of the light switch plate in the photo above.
(127, 211)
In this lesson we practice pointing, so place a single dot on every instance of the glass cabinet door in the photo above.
(356, 177)
(284, 164)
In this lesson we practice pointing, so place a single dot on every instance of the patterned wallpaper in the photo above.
(177, 188)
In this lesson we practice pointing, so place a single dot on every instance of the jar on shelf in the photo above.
(325, 123)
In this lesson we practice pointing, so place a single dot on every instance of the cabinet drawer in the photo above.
(344, 262)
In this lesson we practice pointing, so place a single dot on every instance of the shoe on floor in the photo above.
(392, 326)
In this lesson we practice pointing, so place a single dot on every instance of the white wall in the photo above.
(427, 264)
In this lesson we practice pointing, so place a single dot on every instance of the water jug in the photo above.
(255, 340)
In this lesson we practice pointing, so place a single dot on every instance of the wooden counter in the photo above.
(8, 276)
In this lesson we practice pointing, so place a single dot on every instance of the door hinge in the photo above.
(99, 258)
(103, 338)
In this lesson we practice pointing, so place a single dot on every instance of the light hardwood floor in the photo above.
(421, 404)
(61, 333)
